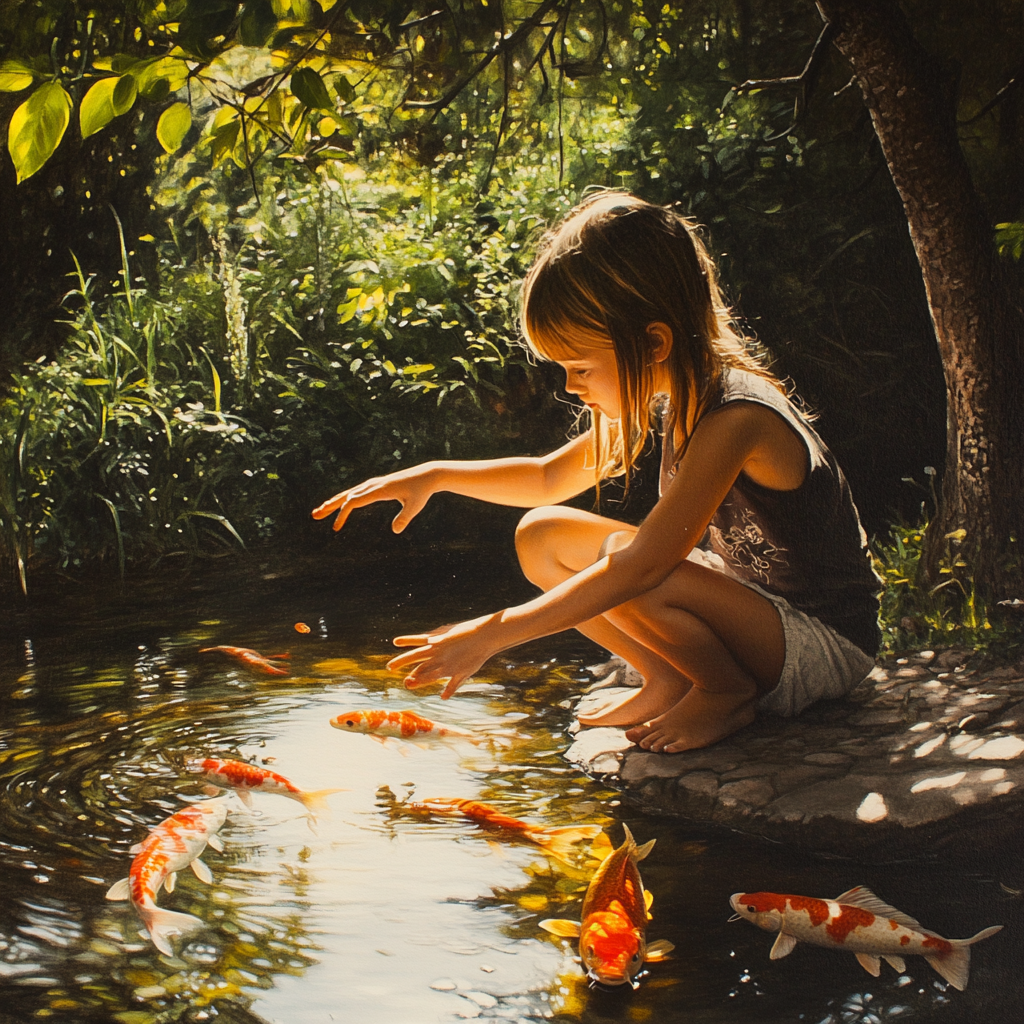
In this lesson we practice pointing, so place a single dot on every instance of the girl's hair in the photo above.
(615, 265)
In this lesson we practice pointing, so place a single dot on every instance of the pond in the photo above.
(376, 913)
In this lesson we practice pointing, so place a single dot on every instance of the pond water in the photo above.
(381, 915)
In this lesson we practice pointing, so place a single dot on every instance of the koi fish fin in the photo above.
(316, 800)
(170, 881)
(648, 900)
(783, 946)
(659, 950)
(163, 925)
(201, 871)
(955, 966)
(216, 843)
(212, 790)
(864, 898)
(896, 962)
(278, 657)
(560, 842)
(560, 926)
(870, 963)
(245, 796)
(135, 849)
(119, 890)
(642, 851)
(600, 847)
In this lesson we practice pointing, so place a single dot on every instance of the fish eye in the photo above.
(590, 950)
(350, 723)
(636, 957)
(751, 910)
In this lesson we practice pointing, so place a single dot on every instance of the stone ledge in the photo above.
(926, 754)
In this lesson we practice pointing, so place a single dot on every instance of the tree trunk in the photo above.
(978, 325)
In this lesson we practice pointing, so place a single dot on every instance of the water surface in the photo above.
(379, 915)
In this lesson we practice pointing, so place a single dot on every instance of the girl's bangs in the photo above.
(564, 341)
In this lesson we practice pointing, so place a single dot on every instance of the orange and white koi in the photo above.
(378, 724)
(249, 778)
(616, 909)
(857, 921)
(558, 842)
(175, 844)
(253, 659)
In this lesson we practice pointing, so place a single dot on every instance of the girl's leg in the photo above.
(556, 543)
(711, 646)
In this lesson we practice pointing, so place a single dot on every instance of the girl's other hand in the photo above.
(409, 487)
(453, 653)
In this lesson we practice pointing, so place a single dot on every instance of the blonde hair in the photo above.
(615, 265)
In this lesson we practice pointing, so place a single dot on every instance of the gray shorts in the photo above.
(820, 664)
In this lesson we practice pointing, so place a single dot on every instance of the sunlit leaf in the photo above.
(310, 89)
(97, 109)
(37, 127)
(15, 76)
(125, 92)
(173, 126)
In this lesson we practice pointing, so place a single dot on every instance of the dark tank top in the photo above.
(806, 545)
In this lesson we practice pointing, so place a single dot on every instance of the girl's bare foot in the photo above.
(657, 696)
(698, 720)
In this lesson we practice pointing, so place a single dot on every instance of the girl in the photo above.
(779, 607)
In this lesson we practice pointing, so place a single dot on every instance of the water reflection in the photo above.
(376, 916)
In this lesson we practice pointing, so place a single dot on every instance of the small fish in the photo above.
(558, 842)
(253, 659)
(301, 627)
(250, 778)
(176, 843)
(857, 921)
(616, 909)
(378, 724)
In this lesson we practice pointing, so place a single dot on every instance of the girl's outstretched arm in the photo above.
(522, 482)
(741, 436)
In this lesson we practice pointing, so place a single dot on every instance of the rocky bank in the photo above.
(927, 754)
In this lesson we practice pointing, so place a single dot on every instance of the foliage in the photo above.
(915, 614)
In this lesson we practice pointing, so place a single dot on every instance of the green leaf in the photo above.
(309, 89)
(343, 87)
(168, 73)
(97, 109)
(124, 94)
(258, 22)
(415, 368)
(173, 125)
(224, 140)
(37, 127)
(15, 76)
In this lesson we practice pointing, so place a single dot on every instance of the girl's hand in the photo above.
(410, 487)
(453, 653)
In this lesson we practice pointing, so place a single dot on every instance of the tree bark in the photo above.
(978, 324)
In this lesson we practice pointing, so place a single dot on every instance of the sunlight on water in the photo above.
(377, 911)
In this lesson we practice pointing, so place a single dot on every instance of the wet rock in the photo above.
(925, 754)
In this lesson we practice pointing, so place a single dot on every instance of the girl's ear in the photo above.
(661, 340)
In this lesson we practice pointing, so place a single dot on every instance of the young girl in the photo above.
(776, 610)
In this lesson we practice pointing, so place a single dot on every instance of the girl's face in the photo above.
(592, 373)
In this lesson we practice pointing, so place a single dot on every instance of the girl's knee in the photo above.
(535, 537)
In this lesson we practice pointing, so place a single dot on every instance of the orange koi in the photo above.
(249, 778)
(616, 909)
(857, 921)
(176, 843)
(379, 723)
(301, 627)
(253, 659)
(558, 842)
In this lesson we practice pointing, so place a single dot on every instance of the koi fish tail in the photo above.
(163, 925)
(561, 842)
(315, 801)
(955, 965)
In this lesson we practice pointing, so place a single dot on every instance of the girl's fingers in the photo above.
(414, 640)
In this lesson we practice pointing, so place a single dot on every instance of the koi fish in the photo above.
(860, 922)
(253, 659)
(558, 842)
(249, 778)
(616, 909)
(301, 627)
(176, 843)
(378, 723)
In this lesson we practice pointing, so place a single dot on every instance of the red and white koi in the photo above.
(616, 909)
(559, 842)
(250, 778)
(857, 921)
(173, 845)
(379, 723)
(253, 659)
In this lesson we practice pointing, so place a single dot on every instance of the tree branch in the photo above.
(501, 47)
(1013, 84)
